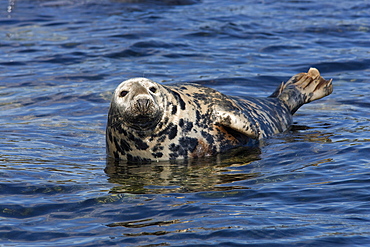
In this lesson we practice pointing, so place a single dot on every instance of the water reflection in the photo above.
(308, 134)
(207, 174)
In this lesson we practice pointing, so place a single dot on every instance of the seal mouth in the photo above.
(142, 115)
(144, 122)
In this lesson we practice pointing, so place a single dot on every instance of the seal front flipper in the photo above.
(235, 123)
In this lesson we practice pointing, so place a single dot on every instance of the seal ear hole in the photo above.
(123, 93)
(153, 89)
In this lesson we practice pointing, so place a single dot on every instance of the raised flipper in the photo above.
(303, 88)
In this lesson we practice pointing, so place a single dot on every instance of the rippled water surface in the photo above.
(59, 63)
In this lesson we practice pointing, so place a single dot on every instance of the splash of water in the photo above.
(11, 4)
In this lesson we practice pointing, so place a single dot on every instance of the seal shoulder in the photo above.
(226, 112)
(253, 117)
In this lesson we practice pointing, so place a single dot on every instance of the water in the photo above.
(59, 63)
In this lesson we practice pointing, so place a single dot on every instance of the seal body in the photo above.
(151, 122)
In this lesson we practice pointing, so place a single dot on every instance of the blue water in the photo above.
(60, 62)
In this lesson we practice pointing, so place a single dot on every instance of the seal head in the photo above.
(137, 104)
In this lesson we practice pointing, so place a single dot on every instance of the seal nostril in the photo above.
(123, 93)
(143, 105)
(153, 89)
(143, 102)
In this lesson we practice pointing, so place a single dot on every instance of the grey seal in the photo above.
(148, 121)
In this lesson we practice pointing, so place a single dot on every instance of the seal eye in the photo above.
(153, 89)
(123, 93)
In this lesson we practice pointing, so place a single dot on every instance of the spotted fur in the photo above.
(151, 122)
